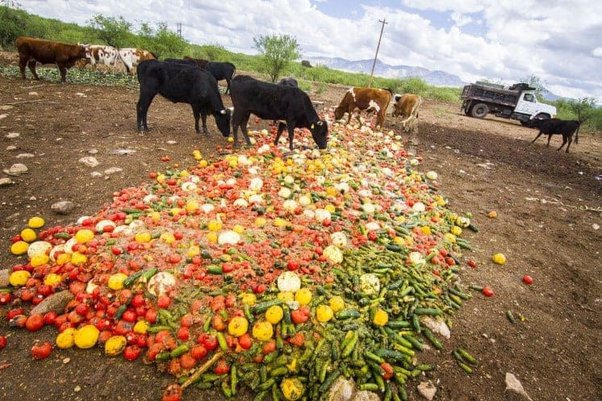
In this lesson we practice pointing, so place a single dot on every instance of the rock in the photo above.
(95, 174)
(113, 170)
(89, 161)
(63, 207)
(80, 94)
(11, 147)
(3, 116)
(427, 390)
(341, 390)
(55, 302)
(12, 135)
(124, 151)
(33, 94)
(171, 142)
(93, 151)
(6, 107)
(366, 396)
(5, 182)
(16, 169)
(25, 155)
(4, 278)
(596, 226)
(437, 326)
(514, 385)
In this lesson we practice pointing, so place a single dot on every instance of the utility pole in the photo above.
(179, 29)
(383, 22)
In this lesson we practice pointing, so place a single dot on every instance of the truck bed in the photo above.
(486, 93)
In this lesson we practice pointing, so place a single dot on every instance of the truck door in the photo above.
(527, 104)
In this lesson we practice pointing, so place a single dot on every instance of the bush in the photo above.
(276, 53)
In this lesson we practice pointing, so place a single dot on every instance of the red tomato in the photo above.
(116, 250)
(187, 361)
(221, 368)
(14, 312)
(5, 298)
(471, 263)
(2, 342)
(50, 317)
(259, 288)
(163, 302)
(187, 320)
(488, 292)
(172, 393)
(297, 340)
(45, 290)
(218, 323)
(230, 300)
(129, 316)
(198, 352)
(292, 265)
(387, 370)
(245, 341)
(151, 316)
(183, 333)
(372, 236)
(34, 322)
(41, 350)
(153, 351)
(300, 315)
(131, 352)
(527, 280)
(269, 347)
(209, 341)
(82, 309)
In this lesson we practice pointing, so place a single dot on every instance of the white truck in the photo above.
(517, 102)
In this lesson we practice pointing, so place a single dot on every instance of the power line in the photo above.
(383, 22)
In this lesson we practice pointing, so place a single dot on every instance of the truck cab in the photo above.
(517, 102)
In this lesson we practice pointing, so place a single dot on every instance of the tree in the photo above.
(276, 51)
(535, 82)
(583, 108)
(161, 41)
(113, 31)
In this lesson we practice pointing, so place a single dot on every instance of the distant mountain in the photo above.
(547, 95)
(437, 78)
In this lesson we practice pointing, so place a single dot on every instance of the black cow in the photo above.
(289, 82)
(221, 71)
(553, 126)
(181, 61)
(181, 83)
(275, 102)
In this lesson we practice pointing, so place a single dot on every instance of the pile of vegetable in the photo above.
(281, 272)
(84, 76)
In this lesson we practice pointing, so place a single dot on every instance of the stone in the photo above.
(11, 147)
(124, 151)
(16, 169)
(3, 116)
(96, 174)
(63, 207)
(5, 107)
(25, 155)
(89, 161)
(427, 390)
(366, 396)
(6, 182)
(113, 170)
(33, 94)
(55, 302)
(93, 151)
(12, 135)
(171, 142)
(515, 386)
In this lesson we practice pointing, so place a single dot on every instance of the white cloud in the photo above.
(557, 41)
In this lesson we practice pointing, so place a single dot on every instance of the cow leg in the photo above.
(564, 140)
(22, 63)
(196, 112)
(32, 67)
(281, 127)
(63, 71)
(549, 138)
(569, 144)
(291, 134)
(538, 135)
(227, 86)
(142, 106)
(204, 121)
(245, 130)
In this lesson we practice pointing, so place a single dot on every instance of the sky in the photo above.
(559, 41)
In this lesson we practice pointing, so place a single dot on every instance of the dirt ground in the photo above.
(549, 211)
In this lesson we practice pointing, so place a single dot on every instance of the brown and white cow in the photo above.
(131, 57)
(368, 99)
(407, 107)
(99, 55)
(32, 50)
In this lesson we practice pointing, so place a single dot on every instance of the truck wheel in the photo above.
(479, 110)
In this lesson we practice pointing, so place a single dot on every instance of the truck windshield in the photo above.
(529, 97)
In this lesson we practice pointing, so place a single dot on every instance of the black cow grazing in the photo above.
(553, 126)
(181, 83)
(221, 71)
(275, 102)
(289, 82)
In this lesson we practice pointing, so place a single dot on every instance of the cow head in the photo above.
(319, 131)
(222, 119)
(339, 112)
